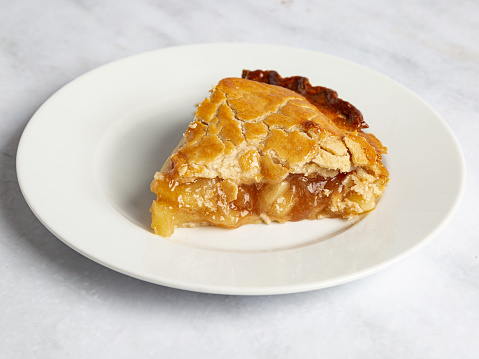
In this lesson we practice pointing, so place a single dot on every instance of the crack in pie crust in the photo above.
(265, 148)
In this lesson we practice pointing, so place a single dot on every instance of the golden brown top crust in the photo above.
(326, 100)
(248, 132)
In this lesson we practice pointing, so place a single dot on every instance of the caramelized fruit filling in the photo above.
(221, 203)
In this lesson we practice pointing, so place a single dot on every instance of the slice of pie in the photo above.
(265, 149)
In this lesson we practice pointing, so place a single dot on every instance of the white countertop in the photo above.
(55, 303)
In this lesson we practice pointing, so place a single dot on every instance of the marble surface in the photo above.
(55, 303)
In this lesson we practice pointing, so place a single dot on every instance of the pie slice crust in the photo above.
(269, 149)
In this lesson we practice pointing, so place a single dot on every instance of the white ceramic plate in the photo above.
(87, 157)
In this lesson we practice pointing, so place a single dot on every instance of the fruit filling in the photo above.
(221, 203)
